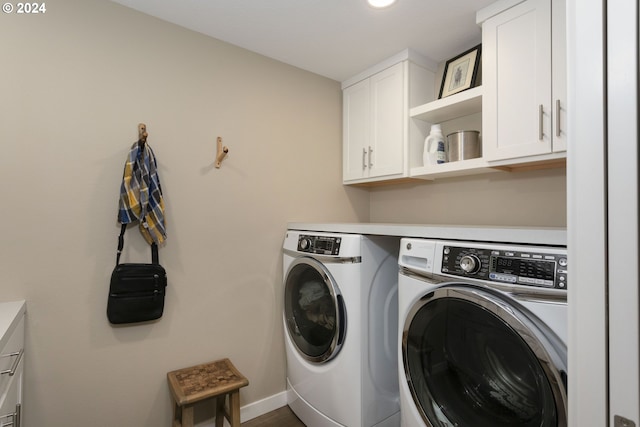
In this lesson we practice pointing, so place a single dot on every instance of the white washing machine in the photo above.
(341, 328)
(482, 334)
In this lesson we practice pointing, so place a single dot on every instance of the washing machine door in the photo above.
(314, 312)
(474, 358)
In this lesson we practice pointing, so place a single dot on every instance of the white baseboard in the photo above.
(261, 407)
(255, 409)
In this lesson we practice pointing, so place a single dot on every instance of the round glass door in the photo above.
(471, 361)
(314, 311)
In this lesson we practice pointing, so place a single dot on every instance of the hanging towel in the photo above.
(141, 194)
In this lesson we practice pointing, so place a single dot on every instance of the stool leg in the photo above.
(220, 411)
(234, 408)
(177, 414)
(187, 416)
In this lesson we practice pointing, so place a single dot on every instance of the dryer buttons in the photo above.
(322, 245)
(467, 262)
(507, 265)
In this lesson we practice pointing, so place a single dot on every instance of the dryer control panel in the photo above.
(510, 265)
(324, 245)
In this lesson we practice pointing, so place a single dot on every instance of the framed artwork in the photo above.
(460, 72)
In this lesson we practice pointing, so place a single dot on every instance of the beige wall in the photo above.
(75, 82)
(533, 198)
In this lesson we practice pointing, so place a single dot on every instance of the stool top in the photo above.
(200, 382)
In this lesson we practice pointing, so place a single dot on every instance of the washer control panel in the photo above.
(324, 245)
(517, 266)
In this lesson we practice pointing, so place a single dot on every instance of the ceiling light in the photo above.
(380, 3)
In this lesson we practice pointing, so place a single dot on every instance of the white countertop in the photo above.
(555, 236)
(10, 315)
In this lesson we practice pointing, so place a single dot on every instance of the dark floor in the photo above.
(282, 417)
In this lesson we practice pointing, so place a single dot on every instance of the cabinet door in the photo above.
(517, 80)
(385, 152)
(559, 75)
(356, 124)
(10, 406)
(11, 357)
(11, 399)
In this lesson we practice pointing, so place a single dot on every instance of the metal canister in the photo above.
(464, 145)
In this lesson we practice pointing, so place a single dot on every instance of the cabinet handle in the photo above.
(364, 156)
(12, 371)
(540, 114)
(557, 117)
(370, 151)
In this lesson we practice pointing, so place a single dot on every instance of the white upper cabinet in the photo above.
(356, 130)
(386, 151)
(373, 126)
(520, 109)
(524, 79)
(376, 128)
(559, 75)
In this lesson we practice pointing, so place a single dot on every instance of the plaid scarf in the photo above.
(141, 195)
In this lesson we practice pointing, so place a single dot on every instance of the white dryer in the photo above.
(341, 326)
(482, 334)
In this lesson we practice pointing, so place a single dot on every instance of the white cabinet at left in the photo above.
(11, 362)
(377, 131)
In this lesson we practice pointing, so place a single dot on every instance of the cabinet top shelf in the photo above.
(454, 106)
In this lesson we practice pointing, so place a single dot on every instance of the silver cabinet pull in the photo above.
(370, 151)
(12, 371)
(557, 117)
(364, 156)
(540, 114)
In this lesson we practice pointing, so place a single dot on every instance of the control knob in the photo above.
(305, 243)
(470, 263)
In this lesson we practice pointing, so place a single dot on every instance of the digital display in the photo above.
(507, 263)
(525, 268)
(326, 245)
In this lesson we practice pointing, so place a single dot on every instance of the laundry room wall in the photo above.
(532, 199)
(75, 82)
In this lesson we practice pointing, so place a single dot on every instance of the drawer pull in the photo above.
(12, 371)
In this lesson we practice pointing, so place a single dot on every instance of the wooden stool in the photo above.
(215, 380)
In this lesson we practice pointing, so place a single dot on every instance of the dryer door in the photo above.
(314, 311)
(473, 357)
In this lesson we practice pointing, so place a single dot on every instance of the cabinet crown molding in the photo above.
(494, 9)
(405, 55)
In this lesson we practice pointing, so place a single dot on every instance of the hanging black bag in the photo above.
(136, 292)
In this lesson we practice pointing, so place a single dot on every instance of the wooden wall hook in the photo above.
(221, 153)
(142, 134)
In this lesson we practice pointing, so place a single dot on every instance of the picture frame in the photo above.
(461, 72)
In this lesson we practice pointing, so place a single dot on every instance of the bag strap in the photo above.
(154, 247)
